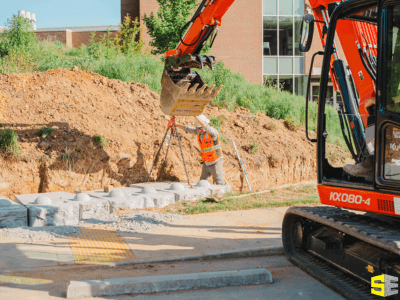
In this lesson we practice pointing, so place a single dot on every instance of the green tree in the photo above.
(165, 27)
(128, 37)
(18, 37)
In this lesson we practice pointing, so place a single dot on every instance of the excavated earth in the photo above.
(79, 105)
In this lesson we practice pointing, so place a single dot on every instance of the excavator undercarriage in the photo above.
(341, 248)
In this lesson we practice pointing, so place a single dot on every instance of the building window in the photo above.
(270, 65)
(283, 63)
(270, 7)
(298, 7)
(286, 83)
(285, 7)
(286, 36)
(270, 38)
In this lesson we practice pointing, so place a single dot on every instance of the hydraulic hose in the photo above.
(365, 63)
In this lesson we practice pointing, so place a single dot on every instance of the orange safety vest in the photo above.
(209, 151)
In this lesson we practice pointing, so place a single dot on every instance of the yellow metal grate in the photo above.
(99, 246)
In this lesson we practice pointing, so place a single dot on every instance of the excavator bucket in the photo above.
(185, 94)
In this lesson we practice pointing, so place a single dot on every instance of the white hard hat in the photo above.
(203, 118)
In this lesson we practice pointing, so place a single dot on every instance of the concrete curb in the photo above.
(167, 283)
(276, 251)
(224, 255)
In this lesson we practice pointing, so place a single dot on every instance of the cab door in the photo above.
(387, 135)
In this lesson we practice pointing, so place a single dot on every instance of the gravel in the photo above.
(40, 233)
(136, 222)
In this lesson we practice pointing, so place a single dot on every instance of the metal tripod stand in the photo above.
(174, 132)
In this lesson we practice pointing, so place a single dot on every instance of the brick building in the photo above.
(74, 36)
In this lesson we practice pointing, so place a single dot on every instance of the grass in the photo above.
(100, 140)
(292, 195)
(216, 122)
(44, 132)
(9, 142)
(254, 147)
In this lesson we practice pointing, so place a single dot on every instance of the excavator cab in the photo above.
(369, 115)
(352, 244)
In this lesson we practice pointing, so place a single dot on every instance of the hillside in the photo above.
(78, 105)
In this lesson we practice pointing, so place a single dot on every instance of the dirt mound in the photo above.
(78, 105)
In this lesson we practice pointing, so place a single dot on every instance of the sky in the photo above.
(65, 13)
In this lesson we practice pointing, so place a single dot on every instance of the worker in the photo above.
(364, 168)
(210, 146)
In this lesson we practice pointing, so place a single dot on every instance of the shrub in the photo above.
(18, 37)
(289, 123)
(44, 132)
(254, 147)
(9, 141)
(101, 140)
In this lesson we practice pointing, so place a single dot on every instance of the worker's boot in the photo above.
(362, 169)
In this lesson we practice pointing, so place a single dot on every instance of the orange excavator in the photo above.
(352, 244)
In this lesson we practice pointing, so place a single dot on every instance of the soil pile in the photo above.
(79, 105)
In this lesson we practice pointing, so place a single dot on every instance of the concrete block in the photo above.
(108, 188)
(167, 283)
(45, 213)
(90, 207)
(147, 197)
(214, 188)
(55, 197)
(12, 214)
(61, 208)
(183, 192)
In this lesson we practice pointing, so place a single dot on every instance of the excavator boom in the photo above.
(183, 92)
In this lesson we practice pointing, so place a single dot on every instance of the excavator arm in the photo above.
(183, 92)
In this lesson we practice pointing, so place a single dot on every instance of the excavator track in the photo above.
(380, 234)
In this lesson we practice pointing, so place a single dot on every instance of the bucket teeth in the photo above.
(210, 90)
(216, 91)
(201, 90)
(181, 95)
(193, 89)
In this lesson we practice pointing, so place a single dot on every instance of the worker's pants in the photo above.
(216, 171)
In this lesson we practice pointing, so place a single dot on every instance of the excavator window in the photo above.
(393, 61)
(391, 147)
(392, 153)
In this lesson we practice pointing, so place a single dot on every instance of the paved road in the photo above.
(289, 281)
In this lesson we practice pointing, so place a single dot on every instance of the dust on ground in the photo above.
(78, 105)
